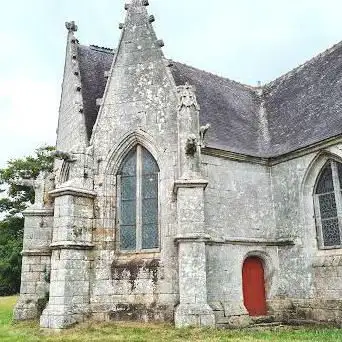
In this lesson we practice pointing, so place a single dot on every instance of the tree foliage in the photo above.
(15, 199)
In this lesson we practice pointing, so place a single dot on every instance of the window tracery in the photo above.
(138, 201)
(328, 205)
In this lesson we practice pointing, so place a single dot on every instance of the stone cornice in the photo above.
(233, 241)
(217, 152)
(71, 191)
(271, 161)
(253, 241)
(71, 245)
(32, 211)
(189, 183)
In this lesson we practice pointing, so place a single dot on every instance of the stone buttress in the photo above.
(35, 275)
(71, 244)
(191, 235)
(73, 204)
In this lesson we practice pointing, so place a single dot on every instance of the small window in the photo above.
(138, 197)
(328, 206)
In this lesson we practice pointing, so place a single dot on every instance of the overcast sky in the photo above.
(245, 40)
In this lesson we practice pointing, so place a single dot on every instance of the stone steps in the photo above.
(262, 319)
(261, 322)
(267, 325)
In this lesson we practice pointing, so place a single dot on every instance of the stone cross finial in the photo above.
(187, 97)
(71, 26)
(136, 3)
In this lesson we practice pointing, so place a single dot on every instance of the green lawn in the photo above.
(29, 331)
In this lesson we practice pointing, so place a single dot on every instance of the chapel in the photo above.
(181, 196)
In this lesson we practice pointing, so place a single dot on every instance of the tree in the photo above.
(16, 199)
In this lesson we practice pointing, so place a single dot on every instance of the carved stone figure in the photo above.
(203, 132)
(66, 156)
(186, 96)
(191, 145)
(44, 183)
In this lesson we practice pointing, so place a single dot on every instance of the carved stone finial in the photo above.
(145, 3)
(151, 18)
(187, 97)
(71, 26)
(160, 43)
(121, 26)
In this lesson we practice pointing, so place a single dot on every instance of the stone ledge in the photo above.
(32, 211)
(71, 191)
(71, 245)
(189, 183)
(192, 238)
(36, 252)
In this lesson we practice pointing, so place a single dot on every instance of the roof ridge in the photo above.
(295, 70)
(249, 87)
(102, 49)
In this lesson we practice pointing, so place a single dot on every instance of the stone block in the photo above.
(194, 315)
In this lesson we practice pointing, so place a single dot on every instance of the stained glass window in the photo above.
(138, 221)
(328, 203)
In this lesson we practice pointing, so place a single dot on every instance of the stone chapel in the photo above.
(181, 196)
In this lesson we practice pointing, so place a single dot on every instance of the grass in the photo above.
(137, 332)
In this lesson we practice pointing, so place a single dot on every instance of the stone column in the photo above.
(191, 236)
(70, 261)
(35, 274)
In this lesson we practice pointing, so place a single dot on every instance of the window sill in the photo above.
(153, 254)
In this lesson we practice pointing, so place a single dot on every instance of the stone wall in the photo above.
(252, 202)
(327, 276)
(238, 199)
(293, 310)
(131, 288)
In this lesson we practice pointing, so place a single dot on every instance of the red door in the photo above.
(253, 283)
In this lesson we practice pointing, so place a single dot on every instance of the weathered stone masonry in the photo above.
(238, 174)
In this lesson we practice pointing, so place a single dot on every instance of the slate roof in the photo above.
(305, 105)
(93, 62)
(228, 106)
(296, 110)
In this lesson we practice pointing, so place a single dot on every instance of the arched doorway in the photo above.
(253, 283)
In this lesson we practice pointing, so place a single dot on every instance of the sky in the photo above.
(246, 40)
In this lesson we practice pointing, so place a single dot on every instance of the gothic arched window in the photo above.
(138, 201)
(328, 205)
